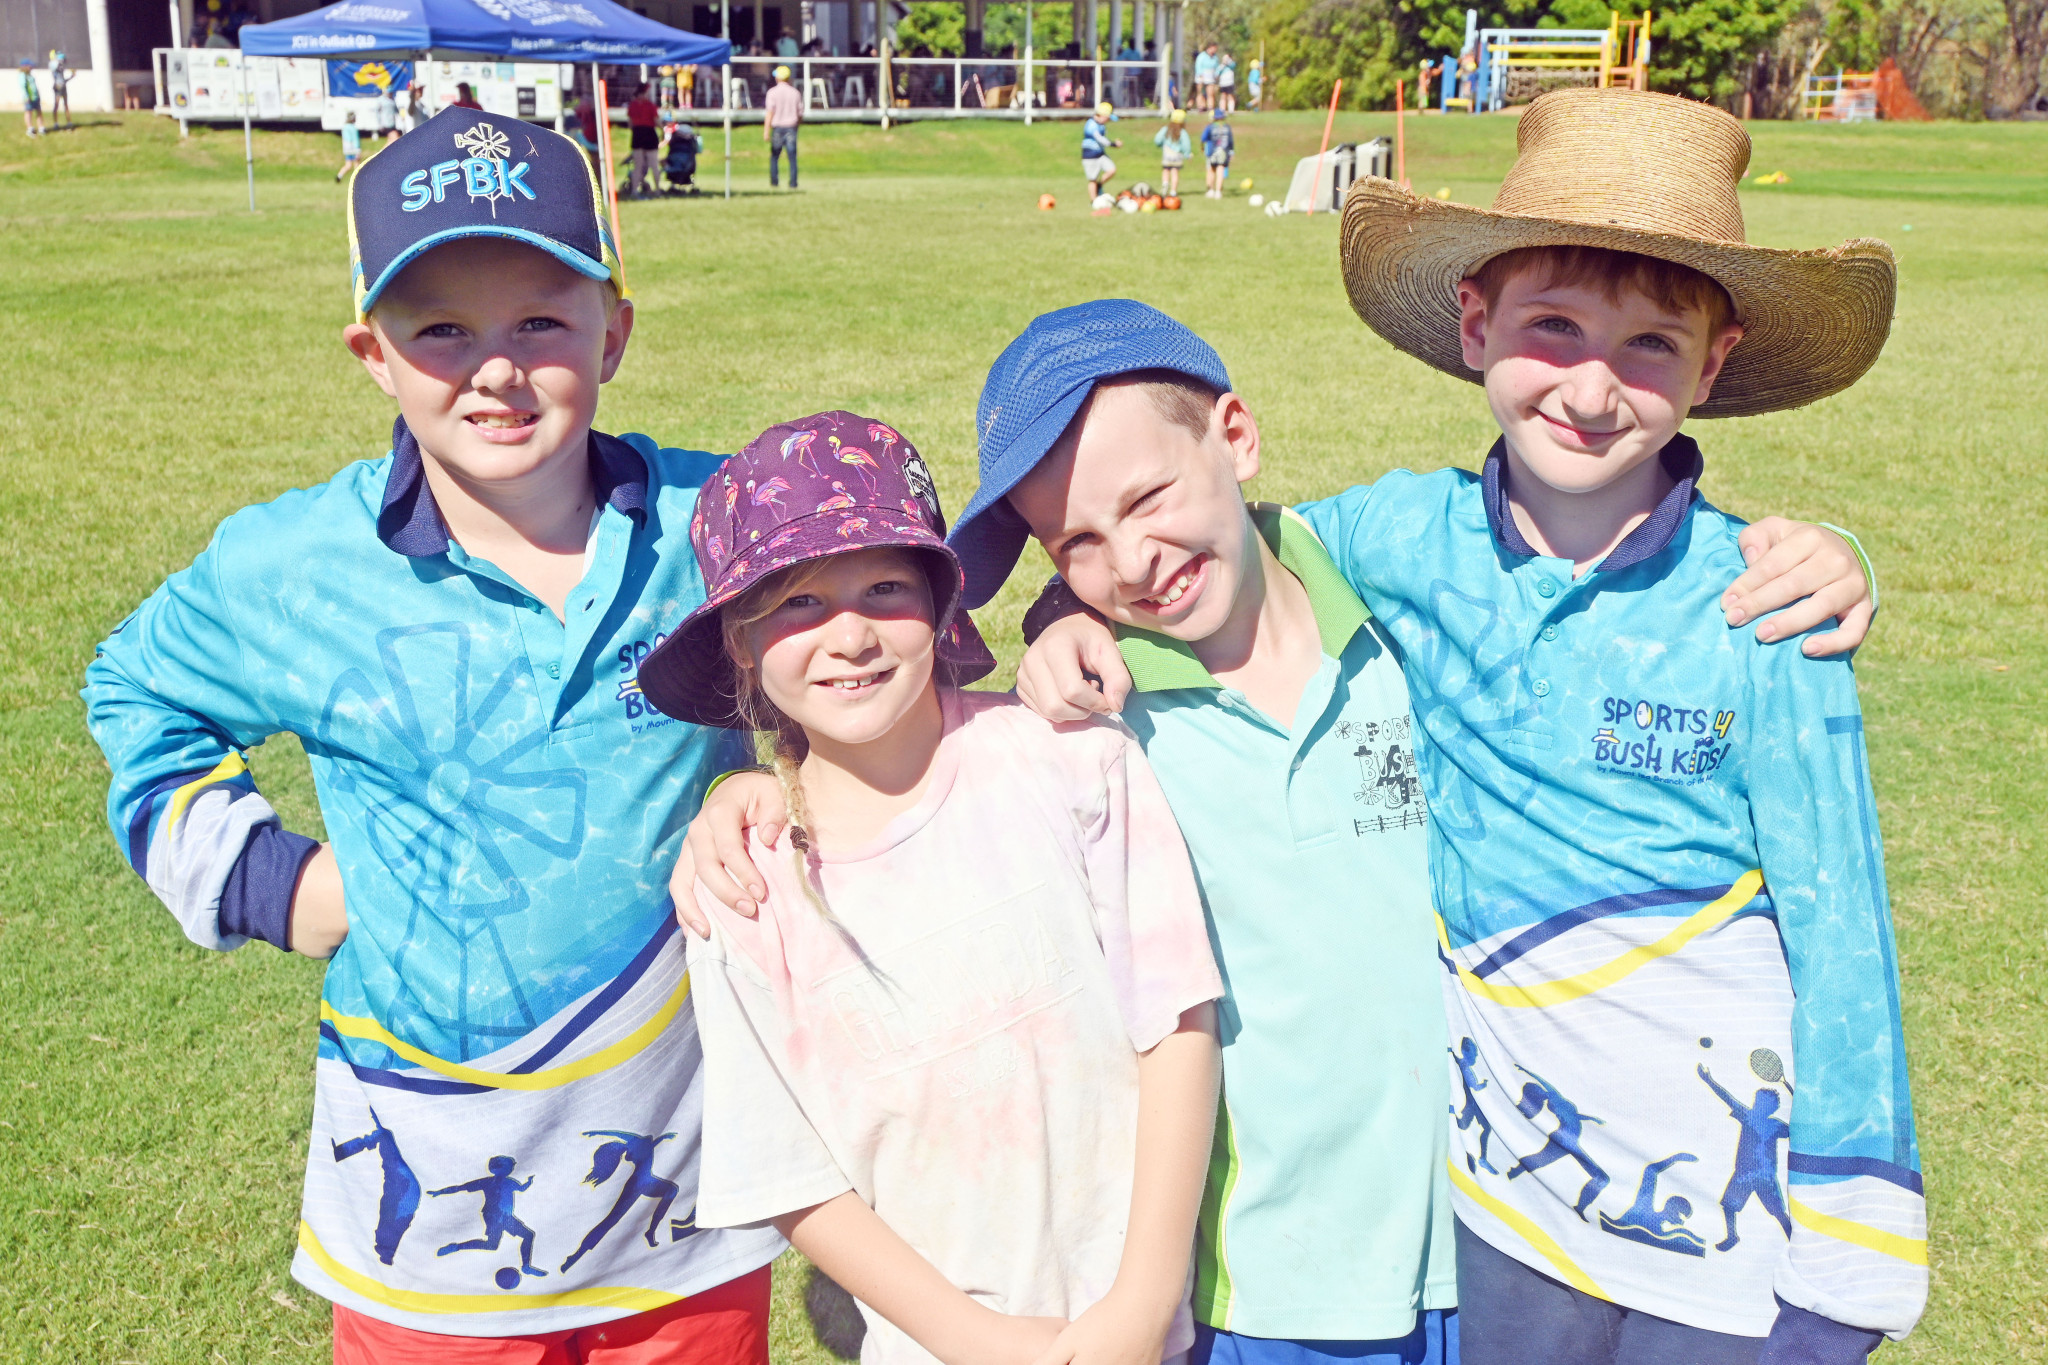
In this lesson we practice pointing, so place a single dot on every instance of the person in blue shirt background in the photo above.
(454, 631)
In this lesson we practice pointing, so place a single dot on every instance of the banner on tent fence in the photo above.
(366, 79)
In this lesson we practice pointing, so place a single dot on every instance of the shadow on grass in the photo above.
(834, 1317)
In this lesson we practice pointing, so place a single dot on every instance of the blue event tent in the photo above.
(523, 30)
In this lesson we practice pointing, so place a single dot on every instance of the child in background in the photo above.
(965, 1059)
(351, 146)
(1255, 82)
(679, 160)
(505, 1040)
(1226, 83)
(31, 100)
(1217, 144)
(1174, 149)
(1095, 144)
(1653, 850)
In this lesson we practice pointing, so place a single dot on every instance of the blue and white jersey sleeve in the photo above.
(1858, 1251)
(172, 702)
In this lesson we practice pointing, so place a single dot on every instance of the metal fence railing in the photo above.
(923, 86)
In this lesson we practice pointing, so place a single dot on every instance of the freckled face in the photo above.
(1585, 388)
(849, 652)
(1143, 519)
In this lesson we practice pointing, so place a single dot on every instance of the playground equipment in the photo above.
(1483, 77)
(1861, 96)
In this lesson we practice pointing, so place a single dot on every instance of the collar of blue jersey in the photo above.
(410, 521)
(1160, 663)
(1682, 461)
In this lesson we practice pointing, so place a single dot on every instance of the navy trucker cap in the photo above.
(1033, 391)
(465, 173)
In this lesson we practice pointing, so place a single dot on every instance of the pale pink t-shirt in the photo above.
(958, 1042)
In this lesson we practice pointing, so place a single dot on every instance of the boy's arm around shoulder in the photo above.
(173, 700)
(1858, 1250)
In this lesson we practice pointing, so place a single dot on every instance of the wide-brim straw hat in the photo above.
(1627, 170)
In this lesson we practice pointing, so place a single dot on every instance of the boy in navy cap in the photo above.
(505, 1127)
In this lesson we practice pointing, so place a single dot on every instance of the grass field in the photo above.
(175, 356)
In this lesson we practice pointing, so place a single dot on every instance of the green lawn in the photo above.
(176, 357)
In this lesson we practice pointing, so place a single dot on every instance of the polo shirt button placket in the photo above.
(1549, 631)
(1541, 687)
(1546, 587)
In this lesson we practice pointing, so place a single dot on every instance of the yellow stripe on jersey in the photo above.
(1546, 1245)
(602, 1060)
(1569, 988)
(1912, 1250)
(420, 1301)
(226, 770)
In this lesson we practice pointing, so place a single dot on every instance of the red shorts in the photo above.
(723, 1326)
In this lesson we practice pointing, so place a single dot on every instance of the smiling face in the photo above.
(494, 351)
(1588, 387)
(845, 647)
(1142, 517)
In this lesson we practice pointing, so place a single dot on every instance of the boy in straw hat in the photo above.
(1668, 950)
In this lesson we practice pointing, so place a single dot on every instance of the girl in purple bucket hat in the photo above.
(965, 1056)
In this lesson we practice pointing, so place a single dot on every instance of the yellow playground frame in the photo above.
(1619, 55)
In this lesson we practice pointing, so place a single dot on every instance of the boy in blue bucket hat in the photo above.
(1274, 709)
(503, 1161)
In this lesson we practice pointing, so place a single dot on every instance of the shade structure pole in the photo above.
(725, 86)
(248, 138)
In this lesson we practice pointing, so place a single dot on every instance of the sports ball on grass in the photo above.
(1170, 202)
(1046, 201)
(1104, 203)
(1258, 201)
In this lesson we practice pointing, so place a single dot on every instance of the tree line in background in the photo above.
(1963, 58)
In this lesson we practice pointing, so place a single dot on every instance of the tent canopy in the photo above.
(522, 30)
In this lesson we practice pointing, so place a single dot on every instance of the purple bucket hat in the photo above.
(822, 485)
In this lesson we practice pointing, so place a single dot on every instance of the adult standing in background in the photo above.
(1205, 77)
(465, 98)
(387, 114)
(785, 46)
(642, 126)
(783, 110)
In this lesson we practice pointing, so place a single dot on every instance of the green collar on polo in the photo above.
(1160, 663)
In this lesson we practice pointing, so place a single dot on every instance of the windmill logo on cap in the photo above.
(486, 173)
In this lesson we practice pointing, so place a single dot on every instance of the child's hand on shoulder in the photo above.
(1059, 673)
(715, 849)
(1118, 1330)
(1811, 572)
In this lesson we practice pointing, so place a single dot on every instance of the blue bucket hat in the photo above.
(1033, 391)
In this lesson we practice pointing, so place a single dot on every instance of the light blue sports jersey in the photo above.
(1678, 1066)
(1327, 1211)
(507, 1089)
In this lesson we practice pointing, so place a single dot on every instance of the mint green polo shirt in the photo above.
(1327, 1214)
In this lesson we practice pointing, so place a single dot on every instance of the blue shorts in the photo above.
(1433, 1342)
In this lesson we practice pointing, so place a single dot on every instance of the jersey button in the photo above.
(1546, 588)
(1550, 632)
(554, 670)
(1542, 687)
